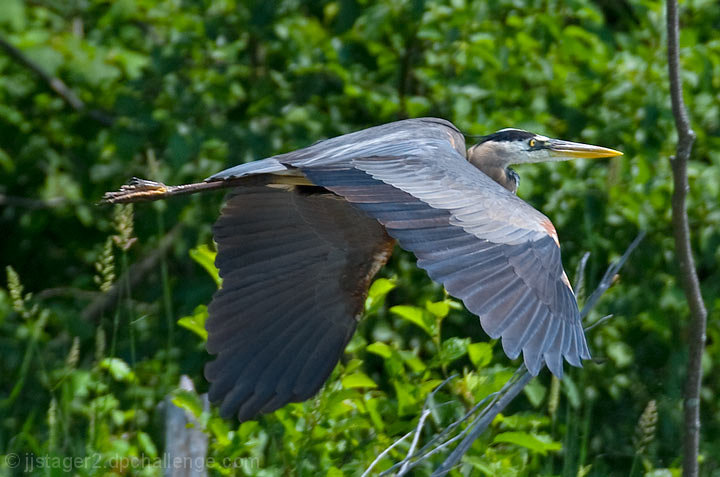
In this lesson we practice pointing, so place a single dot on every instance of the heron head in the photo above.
(495, 152)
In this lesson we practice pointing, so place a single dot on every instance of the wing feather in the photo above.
(295, 270)
(495, 253)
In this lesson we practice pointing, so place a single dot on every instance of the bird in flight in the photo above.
(302, 234)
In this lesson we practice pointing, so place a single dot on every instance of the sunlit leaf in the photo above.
(119, 369)
(480, 354)
(439, 308)
(380, 349)
(196, 321)
(452, 349)
(206, 258)
(538, 443)
(417, 316)
(378, 290)
(188, 400)
(358, 380)
(406, 401)
(535, 392)
(147, 445)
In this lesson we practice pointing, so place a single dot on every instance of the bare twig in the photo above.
(384, 453)
(421, 422)
(681, 230)
(609, 278)
(598, 322)
(511, 389)
(71, 292)
(413, 445)
(424, 453)
(56, 84)
(580, 276)
(30, 203)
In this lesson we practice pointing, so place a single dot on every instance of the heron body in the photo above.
(303, 233)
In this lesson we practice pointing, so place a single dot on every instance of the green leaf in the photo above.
(535, 392)
(6, 162)
(411, 359)
(571, 391)
(429, 386)
(376, 295)
(452, 349)
(372, 406)
(188, 400)
(358, 380)
(439, 308)
(220, 431)
(206, 258)
(407, 403)
(147, 445)
(196, 321)
(417, 316)
(480, 354)
(13, 13)
(380, 349)
(119, 369)
(334, 472)
(537, 443)
(620, 353)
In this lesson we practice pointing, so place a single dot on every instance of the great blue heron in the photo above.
(303, 233)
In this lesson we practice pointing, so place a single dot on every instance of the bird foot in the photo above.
(136, 190)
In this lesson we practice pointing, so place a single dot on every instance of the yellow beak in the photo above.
(573, 150)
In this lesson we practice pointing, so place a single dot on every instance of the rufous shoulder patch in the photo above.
(550, 229)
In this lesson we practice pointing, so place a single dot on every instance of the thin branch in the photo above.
(71, 292)
(56, 84)
(421, 422)
(413, 445)
(598, 322)
(384, 453)
(482, 422)
(609, 278)
(580, 276)
(683, 249)
(424, 453)
(30, 203)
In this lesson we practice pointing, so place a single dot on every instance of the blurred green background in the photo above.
(175, 90)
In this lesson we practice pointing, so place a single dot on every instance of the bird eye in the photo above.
(532, 142)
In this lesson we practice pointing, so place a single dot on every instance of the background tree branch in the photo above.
(681, 230)
(56, 84)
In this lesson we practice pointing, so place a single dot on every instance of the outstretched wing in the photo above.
(487, 247)
(296, 267)
(511, 277)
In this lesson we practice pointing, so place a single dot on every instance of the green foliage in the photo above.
(192, 87)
